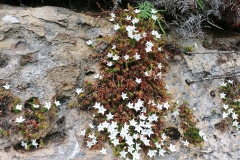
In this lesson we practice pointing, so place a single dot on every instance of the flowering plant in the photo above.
(230, 96)
(130, 98)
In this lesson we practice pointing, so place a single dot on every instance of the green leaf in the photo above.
(145, 9)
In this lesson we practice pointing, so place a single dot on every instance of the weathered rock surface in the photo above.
(43, 54)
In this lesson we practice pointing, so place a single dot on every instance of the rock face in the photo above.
(43, 54)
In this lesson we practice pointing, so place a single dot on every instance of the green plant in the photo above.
(192, 135)
(188, 124)
(189, 49)
(229, 93)
(147, 10)
(200, 4)
(130, 99)
(3, 132)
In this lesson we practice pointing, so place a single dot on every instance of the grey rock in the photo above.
(43, 54)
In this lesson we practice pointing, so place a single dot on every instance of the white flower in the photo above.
(158, 145)
(185, 143)
(172, 148)
(175, 113)
(128, 18)
(145, 140)
(159, 48)
(161, 152)
(135, 20)
(159, 65)
(100, 127)
(24, 144)
(137, 11)
(222, 95)
(148, 49)
(105, 124)
(153, 117)
(79, 90)
(47, 105)
(103, 151)
(83, 132)
(126, 57)
(230, 110)
(89, 42)
(203, 135)
(91, 125)
(96, 105)
(116, 27)
(112, 14)
(19, 107)
(144, 34)
(133, 122)
(146, 73)
(137, 56)
(149, 44)
(34, 143)
(115, 142)
(112, 19)
(123, 154)
(20, 119)
(92, 136)
(6, 86)
(130, 28)
(154, 17)
(109, 116)
(166, 105)
(225, 106)
(57, 103)
(153, 11)
(234, 115)
(115, 57)
(138, 128)
(89, 144)
(138, 80)
(130, 105)
(131, 149)
(109, 55)
(235, 123)
(138, 105)
(164, 137)
(109, 64)
(136, 136)
(136, 155)
(195, 45)
(159, 106)
(158, 36)
(35, 105)
(101, 110)
(230, 81)
(124, 96)
(137, 37)
(223, 84)
(97, 76)
(142, 117)
(129, 140)
(151, 153)
(154, 32)
(113, 46)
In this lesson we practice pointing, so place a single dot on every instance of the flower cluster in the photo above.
(129, 99)
(31, 117)
(230, 95)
